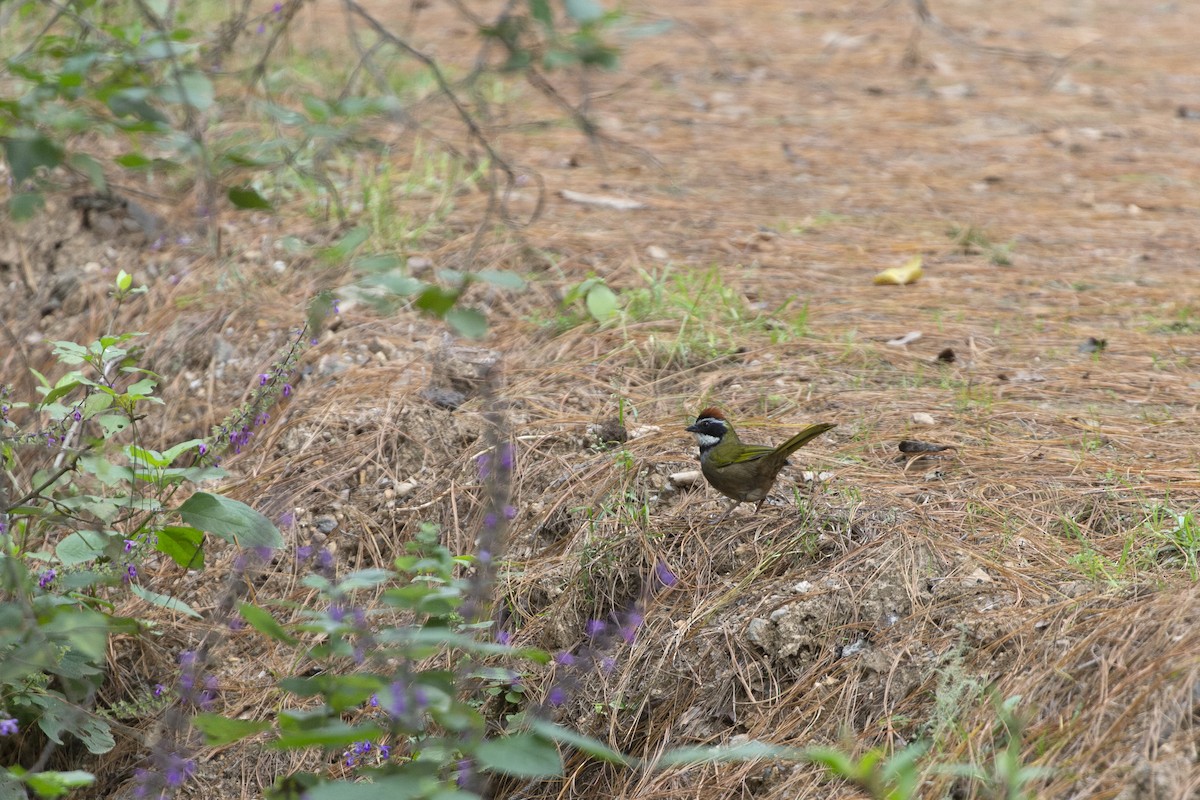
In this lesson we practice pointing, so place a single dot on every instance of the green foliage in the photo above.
(74, 530)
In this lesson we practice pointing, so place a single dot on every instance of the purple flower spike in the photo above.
(594, 627)
(564, 658)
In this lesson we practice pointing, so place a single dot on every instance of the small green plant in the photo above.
(897, 777)
(74, 530)
(1007, 777)
(598, 299)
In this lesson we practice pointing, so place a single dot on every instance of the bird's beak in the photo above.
(692, 429)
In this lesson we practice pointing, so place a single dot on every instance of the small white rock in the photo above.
(921, 418)
(689, 478)
(657, 253)
(643, 430)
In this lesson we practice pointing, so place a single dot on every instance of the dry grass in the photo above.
(892, 600)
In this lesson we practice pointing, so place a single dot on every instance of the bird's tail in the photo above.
(803, 437)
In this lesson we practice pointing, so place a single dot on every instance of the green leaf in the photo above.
(133, 161)
(90, 167)
(602, 303)
(233, 521)
(380, 262)
(247, 198)
(81, 547)
(190, 88)
(24, 205)
(51, 785)
(26, 153)
(124, 280)
(299, 729)
(182, 545)
(501, 278)
(220, 730)
(344, 247)
(263, 622)
(397, 284)
(540, 10)
(523, 755)
(583, 11)
(164, 601)
(437, 300)
(174, 452)
(468, 322)
(584, 744)
(64, 387)
(365, 579)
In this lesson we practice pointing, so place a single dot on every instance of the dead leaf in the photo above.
(910, 446)
(603, 201)
(907, 338)
(1022, 376)
(911, 272)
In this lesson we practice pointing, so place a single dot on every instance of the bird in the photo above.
(744, 473)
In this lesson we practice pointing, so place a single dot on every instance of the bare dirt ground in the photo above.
(784, 150)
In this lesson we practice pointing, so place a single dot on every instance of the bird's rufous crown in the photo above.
(712, 412)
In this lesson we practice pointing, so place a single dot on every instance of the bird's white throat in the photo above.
(705, 441)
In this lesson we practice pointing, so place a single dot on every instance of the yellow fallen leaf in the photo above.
(898, 276)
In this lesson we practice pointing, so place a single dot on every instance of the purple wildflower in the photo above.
(202, 449)
(129, 545)
(564, 658)
(629, 629)
(594, 627)
(506, 457)
(75, 415)
(385, 751)
(263, 378)
(664, 574)
(557, 696)
(130, 572)
(8, 726)
(47, 578)
(159, 689)
(178, 770)
(503, 637)
(287, 390)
